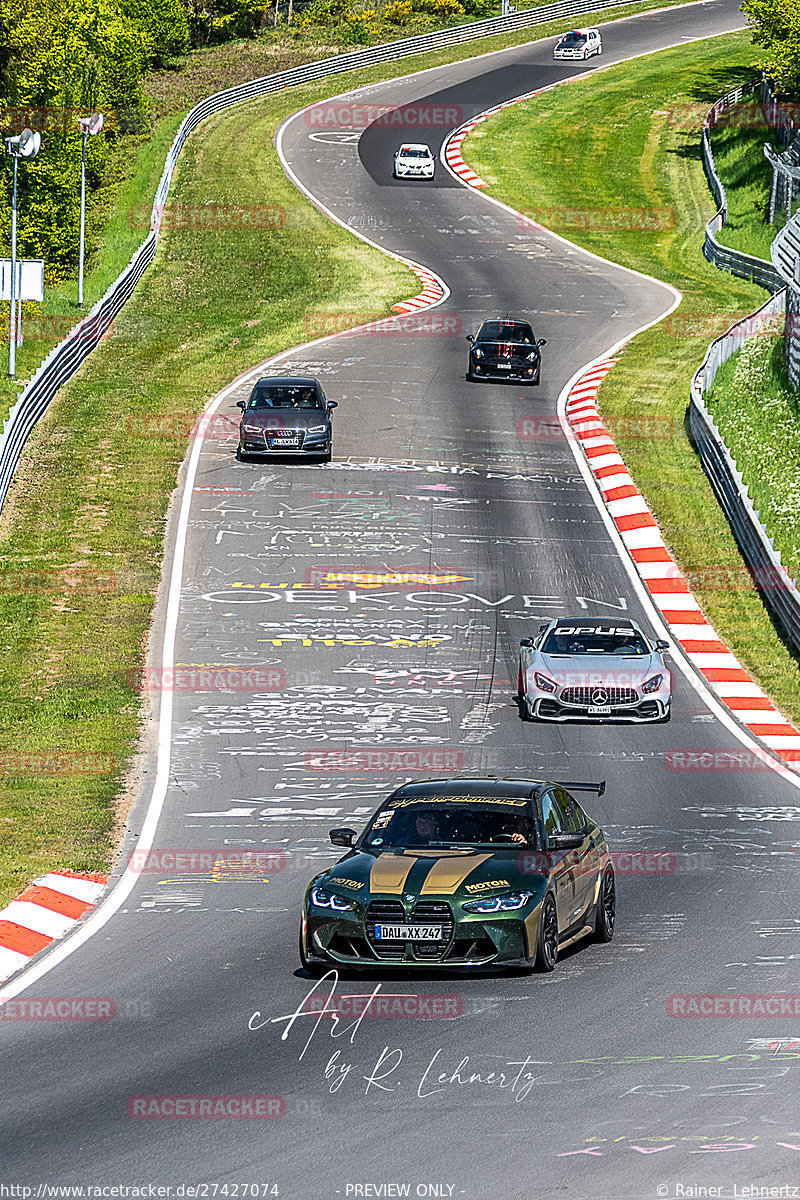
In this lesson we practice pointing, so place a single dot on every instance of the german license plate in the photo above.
(600, 710)
(408, 933)
(285, 441)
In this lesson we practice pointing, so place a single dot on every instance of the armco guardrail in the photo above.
(785, 251)
(62, 363)
(725, 257)
(758, 549)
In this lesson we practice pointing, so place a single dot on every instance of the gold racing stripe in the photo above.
(447, 875)
(389, 873)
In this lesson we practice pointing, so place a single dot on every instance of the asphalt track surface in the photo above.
(429, 474)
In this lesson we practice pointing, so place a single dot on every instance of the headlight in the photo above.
(478, 353)
(323, 899)
(492, 904)
(532, 357)
(317, 429)
(544, 684)
(653, 684)
(252, 429)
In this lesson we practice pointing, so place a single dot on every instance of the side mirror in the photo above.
(542, 342)
(470, 337)
(662, 645)
(526, 641)
(342, 837)
(242, 404)
(564, 841)
(333, 404)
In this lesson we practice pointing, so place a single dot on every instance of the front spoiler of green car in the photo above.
(477, 940)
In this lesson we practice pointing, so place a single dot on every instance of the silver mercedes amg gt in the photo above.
(588, 669)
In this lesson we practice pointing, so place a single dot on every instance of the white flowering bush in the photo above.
(758, 415)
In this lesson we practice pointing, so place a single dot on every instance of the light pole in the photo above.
(89, 127)
(24, 145)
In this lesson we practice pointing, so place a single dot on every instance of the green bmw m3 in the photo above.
(463, 873)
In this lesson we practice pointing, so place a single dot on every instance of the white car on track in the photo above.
(579, 43)
(588, 668)
(414, 161)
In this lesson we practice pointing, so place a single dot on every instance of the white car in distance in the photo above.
(579, 43)
(414, 161)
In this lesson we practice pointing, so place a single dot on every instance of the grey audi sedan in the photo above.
(286, 415)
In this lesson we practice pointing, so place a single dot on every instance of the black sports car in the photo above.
(505, 349)
(463, 873)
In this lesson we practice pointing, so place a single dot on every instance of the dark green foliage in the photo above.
(164, 23)
(60, 61)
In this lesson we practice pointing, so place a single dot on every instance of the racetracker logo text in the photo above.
(382, 758)
(215, 1107)
(57, 764)
(359, 577)
(366, 324)
(59, 1008)
(759, 1005)
(330, 115)
(726, 760)
(211, 678)
(207, 217)
(400, 1005)
(159, 862)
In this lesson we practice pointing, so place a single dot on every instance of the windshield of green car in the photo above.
(441, 825)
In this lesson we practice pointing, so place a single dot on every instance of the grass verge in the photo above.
(738, 146)
(611, 145)
(758, 413)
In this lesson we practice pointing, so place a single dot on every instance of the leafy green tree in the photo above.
(212, 21)
(776, 28)
(62, 59)
(165, 25)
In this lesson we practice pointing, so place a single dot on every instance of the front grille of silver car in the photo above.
(592, 696)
